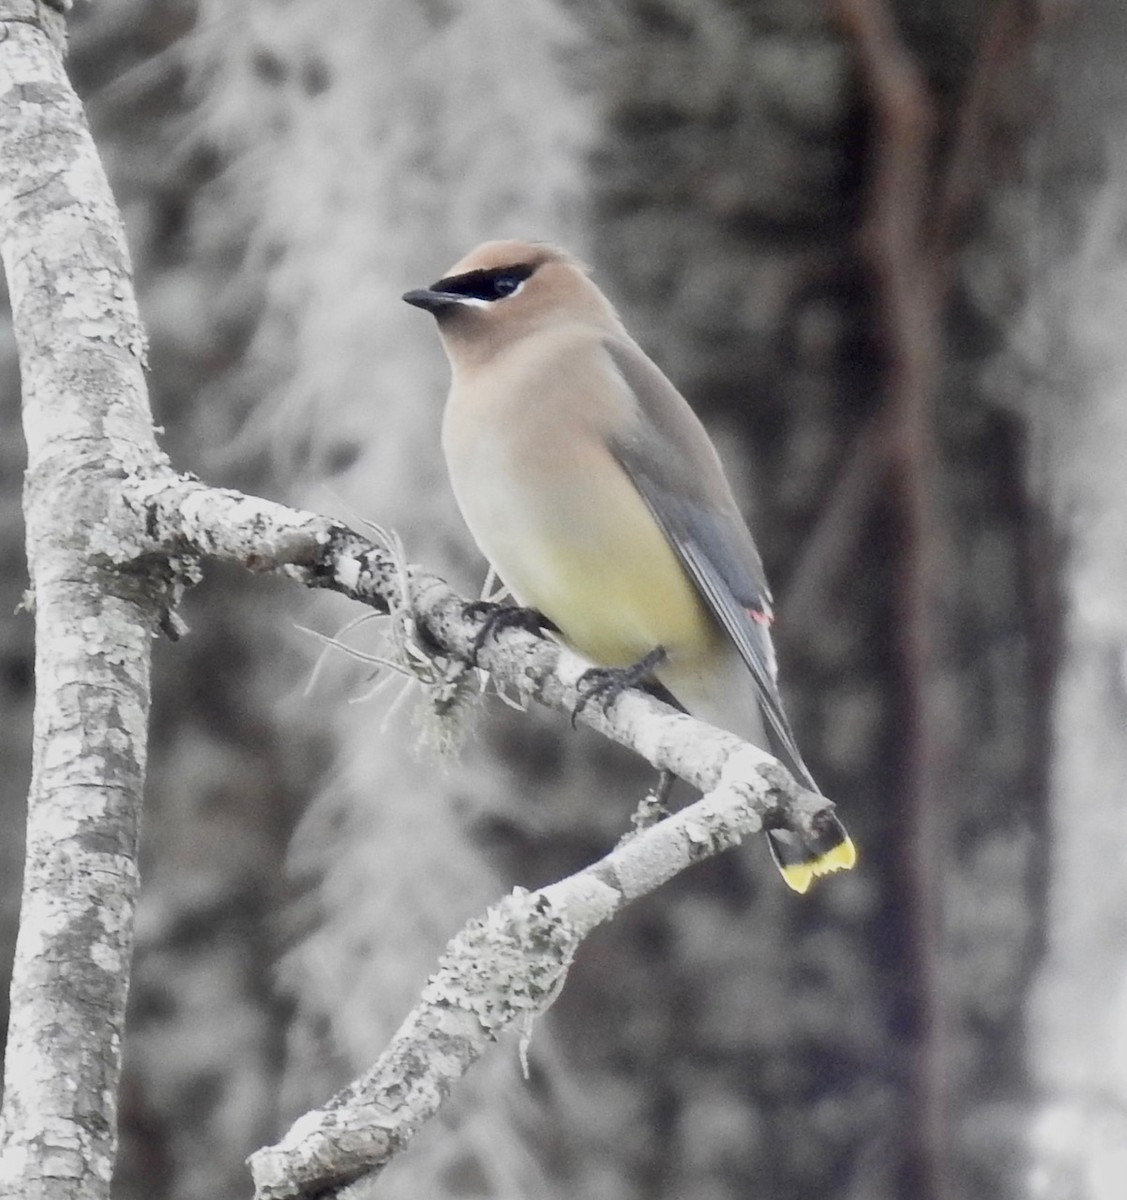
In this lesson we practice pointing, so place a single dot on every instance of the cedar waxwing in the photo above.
(593, 489)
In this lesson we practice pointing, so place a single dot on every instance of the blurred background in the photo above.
(881, 245)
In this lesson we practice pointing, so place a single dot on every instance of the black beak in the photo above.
(431, 300)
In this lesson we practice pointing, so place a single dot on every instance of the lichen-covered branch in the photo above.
(87, 426)
(498, 974)
(185, 519)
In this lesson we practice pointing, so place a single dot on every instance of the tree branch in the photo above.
(181, 519)
(498, 974)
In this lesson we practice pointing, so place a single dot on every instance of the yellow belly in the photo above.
(584, 549)
(614, 595)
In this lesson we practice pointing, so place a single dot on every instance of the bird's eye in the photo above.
(505, 285)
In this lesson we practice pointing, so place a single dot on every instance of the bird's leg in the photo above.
(503, 616)
(605, 684)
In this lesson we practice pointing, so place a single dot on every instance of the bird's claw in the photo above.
(603, 685)
(502, 616)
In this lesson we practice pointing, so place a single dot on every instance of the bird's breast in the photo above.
(567, 531)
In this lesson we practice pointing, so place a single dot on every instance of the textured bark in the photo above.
(87, 426)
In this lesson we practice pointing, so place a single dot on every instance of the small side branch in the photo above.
(498, 974)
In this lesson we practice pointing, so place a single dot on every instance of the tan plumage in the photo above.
(594, 491)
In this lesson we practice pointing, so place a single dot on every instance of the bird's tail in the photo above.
(801, 857)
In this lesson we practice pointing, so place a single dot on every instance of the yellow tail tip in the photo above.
(799, 876)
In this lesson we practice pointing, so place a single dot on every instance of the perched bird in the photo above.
(591, 486)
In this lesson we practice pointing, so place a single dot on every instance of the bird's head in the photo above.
(503, 291)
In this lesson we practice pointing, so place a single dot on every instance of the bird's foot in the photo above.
(603, 685)
(503, 616)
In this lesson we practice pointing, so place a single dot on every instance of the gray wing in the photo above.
(674, 466)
